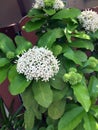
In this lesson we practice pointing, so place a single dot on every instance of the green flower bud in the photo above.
(92, 62)
(66, 77)
(72, 69)
(10, 55)
(49, 3)
(57, 50)
(72, 77)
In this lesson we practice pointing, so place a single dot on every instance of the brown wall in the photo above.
(10, 10)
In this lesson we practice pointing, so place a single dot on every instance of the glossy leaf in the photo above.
(18, 84)
(71, 119)
(22, 44)
(89, 122)
(81, 55)
(32, 26)
(49, 11)
(70, 54)
(3, 73)
(82, 44)
(29, 119)
(6, 43)
(3, 61)
(42, 93)
(30, 103)
(51, 37)
(56, 109)
(12, 73)
(58, 82)
(82, 95)
(93, 87)
(67, 13)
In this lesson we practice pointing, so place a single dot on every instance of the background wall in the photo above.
(11, 11)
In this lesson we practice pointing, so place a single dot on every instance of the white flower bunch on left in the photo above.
(57, 4)
(38, 63)
(89, 20)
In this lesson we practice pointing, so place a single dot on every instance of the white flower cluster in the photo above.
(58, 4)
(39, 4)
(89, 20)
(38, 63)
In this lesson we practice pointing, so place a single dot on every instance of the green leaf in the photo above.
(3, 61)
(94, 108)
(29, 119)
(51, 37)
(6, 43)
(89, 122)
(71, 119)
(32, 26)
(82, 44)
(59, 94)
(49, 11)
(3, 73)
(82, 95)
(18, 84)
(81, 55)
(81, 35)
(35, 12)
(12, 73)
(67, 13)
(93, 87)
(32, 104)
(58, 82)
(70, 54)
(22, 44)
(42, 93)
(56, 109)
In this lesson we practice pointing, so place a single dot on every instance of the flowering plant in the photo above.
(57, 78)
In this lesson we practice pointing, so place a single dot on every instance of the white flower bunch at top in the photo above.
(39, 4)
(38, 63)
(89, 20)
(58, 4)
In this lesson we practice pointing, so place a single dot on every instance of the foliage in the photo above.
(9, 120)
(67, 101)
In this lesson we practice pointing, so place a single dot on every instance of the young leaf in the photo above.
(89, 122)
(22, 44)
(51, 37)
(81, 55)
(32, 104)
(3, 61)
(82, 95)
(49, 11)
(56, 109)
(3, 73)
(6, 43)
(67, 13)
(32, 26)
(71, 119)
(82, 44)
(70, 54)
(93, 87)
(42, 93)
(29, 119)
(18, 84)
(12, 73)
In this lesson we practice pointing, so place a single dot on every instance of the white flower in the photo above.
(58, 4)
(39, 4)
(89, 20)
(38, 63)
